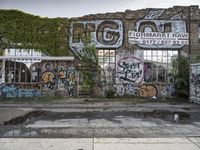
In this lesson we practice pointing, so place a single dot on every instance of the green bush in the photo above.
(181, 74)
(110, 94)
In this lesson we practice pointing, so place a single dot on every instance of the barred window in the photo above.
(158, 65)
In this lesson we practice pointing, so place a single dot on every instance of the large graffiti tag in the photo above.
(129, 70)
(101, 33)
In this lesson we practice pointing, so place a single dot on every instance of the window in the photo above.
(18, 66)
(158, 65)
(106, 59)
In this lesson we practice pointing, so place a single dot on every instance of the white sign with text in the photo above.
(167, 39)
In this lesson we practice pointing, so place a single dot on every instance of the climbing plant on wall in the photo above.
(90, 68)
(25, 31)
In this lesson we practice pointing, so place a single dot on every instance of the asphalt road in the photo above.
(85, 119)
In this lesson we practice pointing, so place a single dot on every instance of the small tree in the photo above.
(90, 68)
(180, 71)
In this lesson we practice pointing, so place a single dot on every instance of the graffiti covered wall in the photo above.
(146, 90)
(148, 75)
(120, 40)
(195, 83)
(134, 77)
(48, 79)
(60, 78)
(162, 33)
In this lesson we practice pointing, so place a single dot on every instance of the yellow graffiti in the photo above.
(28, 86)
(161, 87)
(147, 90)
(48, 77)
(62, 74)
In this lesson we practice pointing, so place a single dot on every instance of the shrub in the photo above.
(110, 94)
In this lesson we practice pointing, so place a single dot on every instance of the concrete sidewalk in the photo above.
(100, 144)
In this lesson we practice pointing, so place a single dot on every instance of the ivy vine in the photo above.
(26, 31)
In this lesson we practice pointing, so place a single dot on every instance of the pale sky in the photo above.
(78, 8)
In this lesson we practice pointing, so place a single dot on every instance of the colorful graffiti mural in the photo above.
(134, 77)
(62, 77)
(146, 90)
(14, 90)
(48, 76)
(103, 33)
(48, 79)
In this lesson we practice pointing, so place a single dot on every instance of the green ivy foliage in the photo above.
(26, 31)
(181, 74)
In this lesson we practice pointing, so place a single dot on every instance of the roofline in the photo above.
(66, 58)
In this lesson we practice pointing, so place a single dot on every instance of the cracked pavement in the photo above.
(88, 119)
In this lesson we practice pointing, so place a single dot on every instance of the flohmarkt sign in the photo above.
(158, 39)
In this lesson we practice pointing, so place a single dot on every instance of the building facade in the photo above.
(136, 53)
